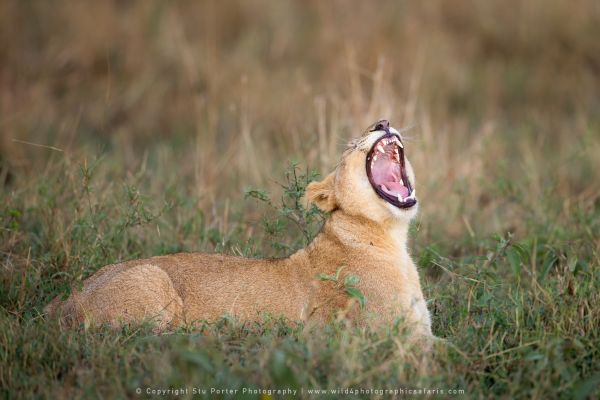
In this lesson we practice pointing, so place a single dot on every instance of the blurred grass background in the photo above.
(218, 96)
(161, 114)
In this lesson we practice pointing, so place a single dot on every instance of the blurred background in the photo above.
(208, 98)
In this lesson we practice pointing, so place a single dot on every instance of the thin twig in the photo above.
(454, 273)
(38, 145)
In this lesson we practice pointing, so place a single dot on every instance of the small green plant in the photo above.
(348, 284)
(290, 212)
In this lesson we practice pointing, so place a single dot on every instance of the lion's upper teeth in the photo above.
(380, 149)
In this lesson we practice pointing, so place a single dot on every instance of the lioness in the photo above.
(371, 199)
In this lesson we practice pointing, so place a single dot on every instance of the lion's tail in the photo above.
(51, 310)
(59, 308)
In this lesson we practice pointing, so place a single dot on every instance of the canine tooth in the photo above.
(380, 149)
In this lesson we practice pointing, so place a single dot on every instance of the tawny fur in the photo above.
(363, 233)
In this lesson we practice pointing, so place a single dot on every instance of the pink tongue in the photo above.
(395, 188)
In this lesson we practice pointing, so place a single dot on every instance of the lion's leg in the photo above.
(139, 293)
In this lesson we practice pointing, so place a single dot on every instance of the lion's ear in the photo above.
(321, 193)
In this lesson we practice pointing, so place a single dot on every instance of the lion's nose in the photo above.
(382, 125)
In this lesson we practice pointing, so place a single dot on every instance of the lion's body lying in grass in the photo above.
(366, 234)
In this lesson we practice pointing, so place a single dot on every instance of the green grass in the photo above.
(517, 318)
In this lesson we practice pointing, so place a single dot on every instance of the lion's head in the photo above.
(374, 179)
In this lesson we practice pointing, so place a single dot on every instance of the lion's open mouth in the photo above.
(387, 173)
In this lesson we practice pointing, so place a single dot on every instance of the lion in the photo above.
(370, 199)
